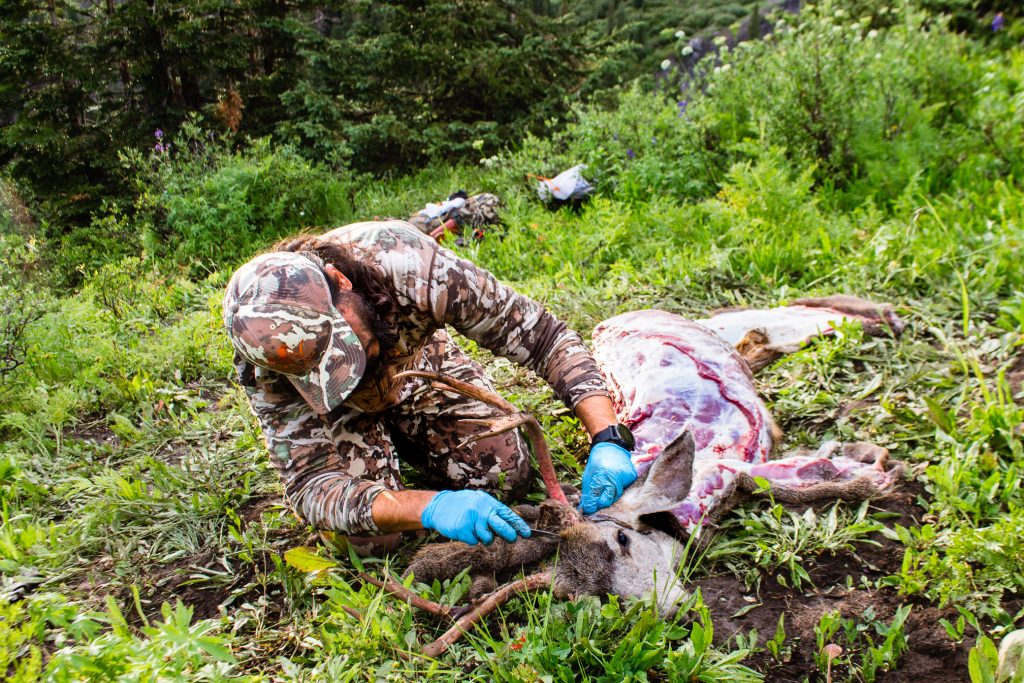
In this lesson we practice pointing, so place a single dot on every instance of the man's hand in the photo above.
(472, 517)
(609, 471)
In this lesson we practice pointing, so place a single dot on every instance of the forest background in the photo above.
(743, 154)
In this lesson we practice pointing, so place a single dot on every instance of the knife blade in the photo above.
(542, 532)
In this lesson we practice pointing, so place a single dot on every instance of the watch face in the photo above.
(626, 436)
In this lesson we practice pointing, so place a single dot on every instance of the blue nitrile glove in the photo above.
(472, 517)
(608, 472)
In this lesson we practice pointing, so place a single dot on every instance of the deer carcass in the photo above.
(669, 375)
(702, 437)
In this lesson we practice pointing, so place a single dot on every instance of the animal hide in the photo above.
(668, 375)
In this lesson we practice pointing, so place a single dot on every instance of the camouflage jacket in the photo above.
(434, 288)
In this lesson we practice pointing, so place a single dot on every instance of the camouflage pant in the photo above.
(424, 432)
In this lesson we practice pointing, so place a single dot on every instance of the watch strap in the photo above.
(609, 434)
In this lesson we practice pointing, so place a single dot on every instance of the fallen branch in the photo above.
(485, 607)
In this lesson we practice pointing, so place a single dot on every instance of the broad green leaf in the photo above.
(306, 559)
(214, 648)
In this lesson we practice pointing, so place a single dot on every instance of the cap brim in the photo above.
(339, 372)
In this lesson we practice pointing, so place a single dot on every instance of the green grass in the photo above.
(132, 473)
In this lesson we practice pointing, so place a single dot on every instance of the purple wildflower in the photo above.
(158, 148)
(159, 134)
(998, 22)
(630, 154)
(682, 106)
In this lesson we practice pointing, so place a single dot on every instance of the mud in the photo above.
(92, 429)
(210, 599)
(1015, 379)
(839, 585)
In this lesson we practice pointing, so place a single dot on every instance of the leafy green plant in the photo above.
(763, 541)
(776, 645)
(983, 661)
(879, 645)
(200, 201)
(610, 642)
(174, 649)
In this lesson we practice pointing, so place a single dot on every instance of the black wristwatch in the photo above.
(617, 434)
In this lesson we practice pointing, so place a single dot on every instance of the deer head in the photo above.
(632, 548)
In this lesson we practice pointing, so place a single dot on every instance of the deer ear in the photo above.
(672, 472)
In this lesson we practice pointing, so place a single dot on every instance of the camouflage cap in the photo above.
(279, 315)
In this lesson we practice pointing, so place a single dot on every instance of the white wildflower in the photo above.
(686, 51)
(665, 64)
(872, 34)
(680, 35)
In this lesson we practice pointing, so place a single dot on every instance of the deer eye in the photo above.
(623, 539)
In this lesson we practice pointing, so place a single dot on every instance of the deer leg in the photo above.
(852, 471)
(485, 607)
(530, 425)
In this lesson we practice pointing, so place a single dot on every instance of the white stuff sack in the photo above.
(566, 186)
(432, 210)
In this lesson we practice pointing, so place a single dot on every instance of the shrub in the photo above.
(203, 204)
(872, 113)
(20, 307)
(641, 146)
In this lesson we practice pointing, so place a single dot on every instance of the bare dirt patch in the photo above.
(1015, 379)
(839, 584)
(210, 597)
(93, 429)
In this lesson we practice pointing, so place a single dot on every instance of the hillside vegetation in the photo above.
(859, 147)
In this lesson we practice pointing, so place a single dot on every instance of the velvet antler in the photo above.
(513, 418)
(485, 607)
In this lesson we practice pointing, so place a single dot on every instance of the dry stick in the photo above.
(400, 591)
(533, 431)
(486, 606)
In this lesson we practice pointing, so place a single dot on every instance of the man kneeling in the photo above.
(322, 325)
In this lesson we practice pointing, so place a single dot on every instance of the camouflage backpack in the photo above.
(474, 212)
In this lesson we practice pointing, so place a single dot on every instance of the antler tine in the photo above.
(498, 426)
(461, 387)
(485, 607)
(533, 431)
(399, 591)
